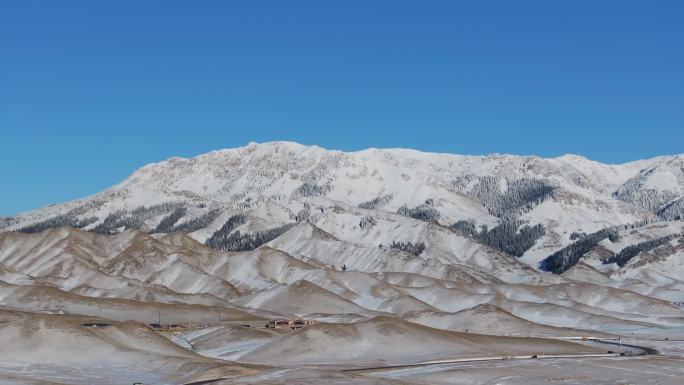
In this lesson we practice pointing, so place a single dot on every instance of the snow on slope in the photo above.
(300, 298)
(61, 349)
(296, 280)
(227, 342)
(390, 341)
(278, 182)
(486, 319)
(285, 219)
(47, 299)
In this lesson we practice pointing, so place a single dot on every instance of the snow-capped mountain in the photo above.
(433, 206)
(388, 248)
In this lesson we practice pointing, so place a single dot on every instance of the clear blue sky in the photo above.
(91, 90)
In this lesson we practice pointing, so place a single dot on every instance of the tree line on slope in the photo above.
(221, 237)
(519, 197)
(568, 256)
(198, 223)
(58, 221)
(310, 190)
(673, 211)
(629, 252)
(634, 192)
(167, 223)
(511, 236)
(136, 218)
(70, 218)
(666, 205)
(226, 240)
(376, 202)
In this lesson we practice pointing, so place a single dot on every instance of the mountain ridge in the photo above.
(244, 197)
(291, 144)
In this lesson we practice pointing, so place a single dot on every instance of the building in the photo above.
(289, 324)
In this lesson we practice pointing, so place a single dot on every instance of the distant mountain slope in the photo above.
(137, 276)
(238, 199)
(267, 229)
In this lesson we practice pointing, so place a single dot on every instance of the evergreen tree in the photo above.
(510, 236)
(412, 248)
(424, 212)
(377, 202)
(632, 251)
(221, 237)
(166, 224)
(224, 240)
(310, 190)
(673, 211)
(568, 257)
(503, 197)
(366, 222)
(197, 223)
(70, 218)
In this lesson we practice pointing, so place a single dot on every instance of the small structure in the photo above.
(289, 324)
(278, 324)
(298, 324)
(168, 327)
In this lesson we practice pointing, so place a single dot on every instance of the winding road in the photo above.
(640, 351)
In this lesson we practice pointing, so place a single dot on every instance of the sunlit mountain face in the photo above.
(242, 264)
